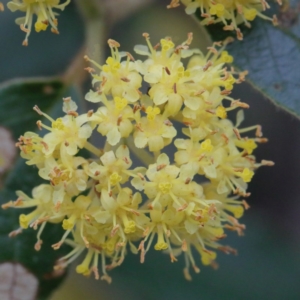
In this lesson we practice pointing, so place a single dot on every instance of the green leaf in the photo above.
(271, 55)
(16, 114)
(17, 98)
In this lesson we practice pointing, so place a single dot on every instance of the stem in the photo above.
(90, 147)
(92, 11)
(156, 154)
(143, 155)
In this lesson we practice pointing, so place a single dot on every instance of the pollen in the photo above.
(115, 178)
(120, 103)
(207, 146)
(226, 58)
(166, 44)
(221, 112)
(250, 14)
(165, 187)
(247, 175)
(58, 124)
(217, 9)
(111, 65)
(152, 112)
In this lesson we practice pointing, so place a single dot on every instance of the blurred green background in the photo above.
(268, 263)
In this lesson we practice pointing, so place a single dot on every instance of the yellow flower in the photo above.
(65, 176)
(114, 120)
(44, 11)
(113, 169)
(120, 210)
(248, 144)
(169, 184)
(154, 131)
(118, 78)
(68, 133)
(32, 146)
(222, 11)
(45, 209)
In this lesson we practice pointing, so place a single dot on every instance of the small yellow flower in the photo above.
(229, 12)
(118, 78)
(249, 145)
(154, 131)
(68, 133)
(44, 11)
(113, 169)
(114, 120)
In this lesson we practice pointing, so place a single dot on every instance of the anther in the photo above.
(57, 245)
(175, 88)
(168, 123)
(190, 38)
(72, 113)
(36, 108)
(67, 99)
(167, 70)
(268, 163)
(114, 230)
(275, 20)
(90, 70)
(90, 113)
(237, 134)
(119, 120)
(225, 92)
(239, 34)
(173, 4)
(173, 258)
(258, 132)
(160, 167)
(245, 204)
(14, 233)
(45, 145)
(208, 64)
(113, 43)
(188, 180)
(184, 246)
(136, 108)
(213, 50)
(239, 104)
(39, 124)
(183, 207)
(130, 56)
(23, 28)
(38, 245)
(55, 31)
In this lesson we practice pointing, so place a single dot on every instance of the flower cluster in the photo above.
(43, 9)
(105, 204)
(229, 12)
